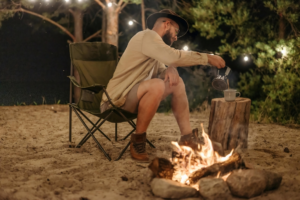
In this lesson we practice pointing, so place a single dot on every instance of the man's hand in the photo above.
(216, 61)
(172, 75)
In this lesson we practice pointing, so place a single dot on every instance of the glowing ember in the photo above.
(189, 160)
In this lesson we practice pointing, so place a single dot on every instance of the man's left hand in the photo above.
(172, 75)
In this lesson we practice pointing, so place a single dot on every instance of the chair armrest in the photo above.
(96, 88)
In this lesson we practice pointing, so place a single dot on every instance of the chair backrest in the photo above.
(95, 63)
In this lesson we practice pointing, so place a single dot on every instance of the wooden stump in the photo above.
(229, 122)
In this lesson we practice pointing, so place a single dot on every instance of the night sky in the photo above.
(32, 56)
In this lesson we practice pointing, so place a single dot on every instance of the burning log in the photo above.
(162, 168)
(229, 122)
(234, 162)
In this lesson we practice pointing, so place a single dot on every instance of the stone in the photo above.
(273, 180)
(165, 188)
(247, 183)
(214, 189)
(218, 148)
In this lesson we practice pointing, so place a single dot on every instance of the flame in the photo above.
(187, 160)
(218, 175)
(226, 176)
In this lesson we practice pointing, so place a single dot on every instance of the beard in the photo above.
(167, 38)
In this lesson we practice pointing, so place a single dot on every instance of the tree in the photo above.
(62, 13)
(267, 32)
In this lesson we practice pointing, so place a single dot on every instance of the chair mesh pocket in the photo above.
(87, 96)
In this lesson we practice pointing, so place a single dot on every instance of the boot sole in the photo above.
(137, 160)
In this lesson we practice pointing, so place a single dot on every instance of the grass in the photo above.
(44, 102)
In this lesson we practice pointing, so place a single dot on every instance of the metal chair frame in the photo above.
(98, 124)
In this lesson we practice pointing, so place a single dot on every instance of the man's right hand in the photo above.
(216, 61)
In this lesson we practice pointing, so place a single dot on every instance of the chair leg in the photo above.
(87, 136)
(94, 124)
(123, 151)
(116, 131)
(70, 125)
(151, 145)
(128, 134)
(98, 144)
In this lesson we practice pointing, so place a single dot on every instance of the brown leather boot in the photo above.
(191, 140)
(138, 147)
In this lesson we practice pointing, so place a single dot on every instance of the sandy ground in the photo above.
(36, 163)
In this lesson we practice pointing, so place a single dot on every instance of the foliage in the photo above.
(58, 13)
(261, 30)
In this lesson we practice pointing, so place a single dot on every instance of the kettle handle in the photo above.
(227, 71)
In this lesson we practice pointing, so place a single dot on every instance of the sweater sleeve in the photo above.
(154, 47)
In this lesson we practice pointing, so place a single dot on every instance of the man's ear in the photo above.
(168, 24)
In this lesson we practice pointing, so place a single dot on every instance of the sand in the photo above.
(36, 162)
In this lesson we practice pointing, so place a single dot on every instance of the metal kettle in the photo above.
(220, 82)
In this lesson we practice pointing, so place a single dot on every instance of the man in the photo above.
(142, 80)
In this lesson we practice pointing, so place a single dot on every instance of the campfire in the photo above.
(195, 169)
(189, 162)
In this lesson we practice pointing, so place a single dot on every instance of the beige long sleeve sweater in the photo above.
(146, 51)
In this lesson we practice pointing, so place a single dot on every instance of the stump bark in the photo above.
(229, 122)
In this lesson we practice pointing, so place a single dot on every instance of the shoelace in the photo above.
(140, 147)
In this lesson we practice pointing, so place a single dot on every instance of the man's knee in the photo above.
(158, 87)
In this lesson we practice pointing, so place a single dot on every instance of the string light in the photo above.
(109, 4)
(246, 58)
(185, 48)
(130, 23)
(283, 51)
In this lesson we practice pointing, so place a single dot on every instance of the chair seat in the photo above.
(115, 117)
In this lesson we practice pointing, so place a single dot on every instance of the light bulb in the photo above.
(185, 48)
(283, 51)
(109, 4)
(130, 23)
(246, 58)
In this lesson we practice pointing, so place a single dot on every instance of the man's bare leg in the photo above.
(180, 105)
(150, 94)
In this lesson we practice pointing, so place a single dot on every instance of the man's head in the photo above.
(168, 25)
(167, 28)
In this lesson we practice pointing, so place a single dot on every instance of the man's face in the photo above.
(171, 33)
(167, 38)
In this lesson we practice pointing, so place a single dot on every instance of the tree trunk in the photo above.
(143, 14)
(281, 29)
(174, 5)
(112, 31)
(78, 23)
(104, 20)
(229, 122)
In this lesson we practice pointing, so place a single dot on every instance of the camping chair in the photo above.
(96, 63)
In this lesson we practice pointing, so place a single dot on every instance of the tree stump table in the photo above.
(229, 122)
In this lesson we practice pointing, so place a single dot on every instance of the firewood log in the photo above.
(234, 162)
(162, 168)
